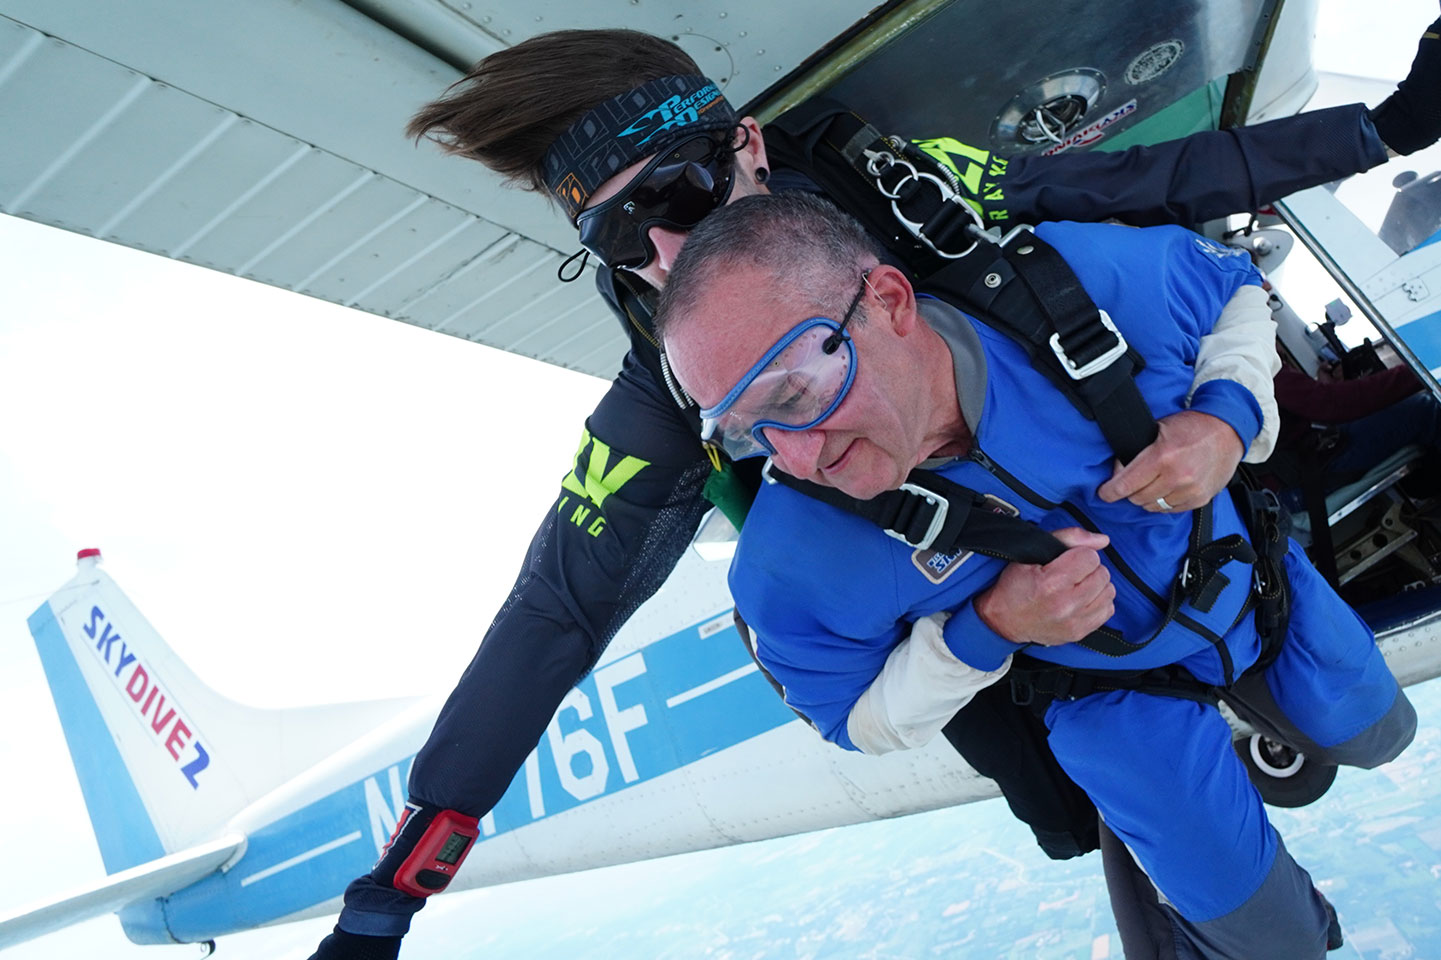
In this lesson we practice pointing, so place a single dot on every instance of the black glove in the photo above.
(1410, 118)
(354, 946)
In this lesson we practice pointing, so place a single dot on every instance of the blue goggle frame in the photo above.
(735, 446)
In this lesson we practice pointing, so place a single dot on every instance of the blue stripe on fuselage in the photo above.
(593, 736)
(1423, 336)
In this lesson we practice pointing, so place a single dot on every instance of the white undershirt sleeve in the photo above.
(919, 689)
(1241, 347)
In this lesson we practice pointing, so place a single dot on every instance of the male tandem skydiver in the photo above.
(903, 386)
(521, 113)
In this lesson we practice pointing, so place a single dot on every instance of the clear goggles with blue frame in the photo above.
(797, 383)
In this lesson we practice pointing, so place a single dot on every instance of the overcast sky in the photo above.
(309, 503)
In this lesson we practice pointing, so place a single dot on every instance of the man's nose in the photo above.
(667, 243)
(798, 452)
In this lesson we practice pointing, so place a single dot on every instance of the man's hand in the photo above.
(1053, 603)
(1188, 464)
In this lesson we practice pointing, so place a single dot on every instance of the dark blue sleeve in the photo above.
(823, 637)
(1187, 181)
(624, 514)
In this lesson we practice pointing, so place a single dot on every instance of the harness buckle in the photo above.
(878, 162)
(1082, 371)
(938, 519)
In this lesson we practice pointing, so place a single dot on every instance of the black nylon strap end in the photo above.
(1119, 409)
(947, 227)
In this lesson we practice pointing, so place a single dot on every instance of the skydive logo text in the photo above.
(157, 711)
(675, 112)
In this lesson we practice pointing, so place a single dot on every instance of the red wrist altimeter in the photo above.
(437, 855)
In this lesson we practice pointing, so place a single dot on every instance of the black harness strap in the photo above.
(903, 196)
(1269, 526)
(1031, 294)
(1035, 683)
(829, 143)
(935, 513)
(930, 512)
(1201, 579)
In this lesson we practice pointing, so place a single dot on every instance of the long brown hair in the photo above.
(514, 104)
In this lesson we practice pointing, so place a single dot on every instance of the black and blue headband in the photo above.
(637, 124)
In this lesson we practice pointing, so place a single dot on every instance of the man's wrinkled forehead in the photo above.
(637, 124)
(738, 312)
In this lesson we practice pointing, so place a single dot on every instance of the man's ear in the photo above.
(754, 152)
(897, 295)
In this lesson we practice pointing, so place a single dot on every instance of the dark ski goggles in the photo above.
(675, 189)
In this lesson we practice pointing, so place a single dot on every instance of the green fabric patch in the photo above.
(727, 490)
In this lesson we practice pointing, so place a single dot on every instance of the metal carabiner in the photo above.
(881, 163)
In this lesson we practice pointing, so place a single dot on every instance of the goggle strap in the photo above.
(584, 256)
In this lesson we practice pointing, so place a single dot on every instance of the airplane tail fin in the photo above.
(163, 761)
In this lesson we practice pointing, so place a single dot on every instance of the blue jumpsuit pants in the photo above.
(1162, 772)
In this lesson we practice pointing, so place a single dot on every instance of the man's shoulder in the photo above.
(1107, 239)
(781, 513)
(804, 568)
(1157, 248)
(793, 542)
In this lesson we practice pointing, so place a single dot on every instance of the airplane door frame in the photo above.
(1393, 292)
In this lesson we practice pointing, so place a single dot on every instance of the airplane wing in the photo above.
(145, 882)
(263, 138)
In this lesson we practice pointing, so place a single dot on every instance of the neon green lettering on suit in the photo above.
(946, 150)
(601, 479)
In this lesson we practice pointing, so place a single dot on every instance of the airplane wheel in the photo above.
(207, 948)
(1285, 777)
